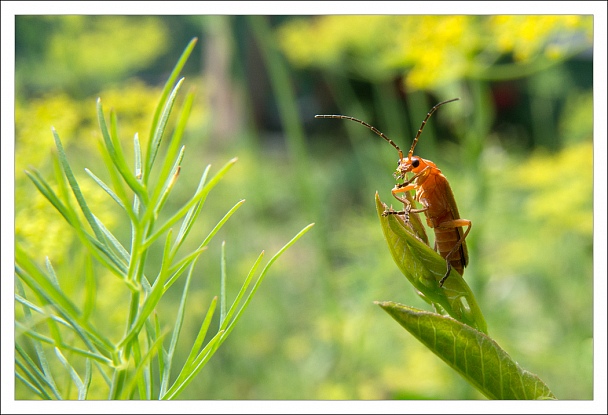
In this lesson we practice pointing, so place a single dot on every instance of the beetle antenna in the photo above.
(411, 152)
(371, 127)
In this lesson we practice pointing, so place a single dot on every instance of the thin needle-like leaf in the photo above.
(97, 248)
(38, 282)
(249, 297)
(192, 214)
(179, 321)
(176, 138)
(199, 195)
(27, 312)
(179, 267)
(50, 195)
(67, 170)
(120, 190)
(143, 365)
(166, 189)
(152, 298)
(154, 144)
(242, 291)
(202, 246)
(29, 306)
(46, 376)
(106, 189)
(38, 391)
(188, 367)
(137, 152)
(123, 255)
(167, 170)
(115, 156)
(223, 283)
(30, 379)
(44, 339)
(170, 81)
(51, 273)
(88, 376)
(221, 223)
(73, 374)
(198, 364)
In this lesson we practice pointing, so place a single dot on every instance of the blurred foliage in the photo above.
(82, 54)
(433, 50)
(313, 332)
(136, 42)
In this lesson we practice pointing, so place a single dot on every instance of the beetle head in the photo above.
(411, 164)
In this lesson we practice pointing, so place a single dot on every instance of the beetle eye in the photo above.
(415, 163)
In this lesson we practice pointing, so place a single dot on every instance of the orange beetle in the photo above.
(435, 195)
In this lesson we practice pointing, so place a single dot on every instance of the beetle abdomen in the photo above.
(445, 240)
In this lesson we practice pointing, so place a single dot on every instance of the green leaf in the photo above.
(71, 217)
(46, 190)
(168, 186)
(192, 214)
(138, 377)
(32, 376)
(478, 358)
(198, 196)
(152, 298)
(117, 156)
(159, 131)
(80, 385)
(223, 283)
(39, 379)
(230, 323)
(20, 296)
(168, 86)
(40, 392)
(179, 321)
(106, 188)
(190, 368)
(424, 267)
(200, 361)
(118, 184)
(39, 283)
(194, 364)
(174, 141)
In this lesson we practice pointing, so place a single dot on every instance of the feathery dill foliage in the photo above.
(105, 335)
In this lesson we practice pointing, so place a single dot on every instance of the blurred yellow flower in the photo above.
(428, 51)
(561, 198)
(38, 226)
(42, 230)
(526, 36)
(33, 122)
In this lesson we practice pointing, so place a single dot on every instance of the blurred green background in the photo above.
(312, 331)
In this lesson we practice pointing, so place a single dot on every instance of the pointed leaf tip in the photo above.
(473, 354)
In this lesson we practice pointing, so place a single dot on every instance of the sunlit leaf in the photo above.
(478, 358)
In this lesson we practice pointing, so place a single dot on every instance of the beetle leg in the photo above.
(447, 274)
(407, 208)
(404, 187)
(400, 188)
